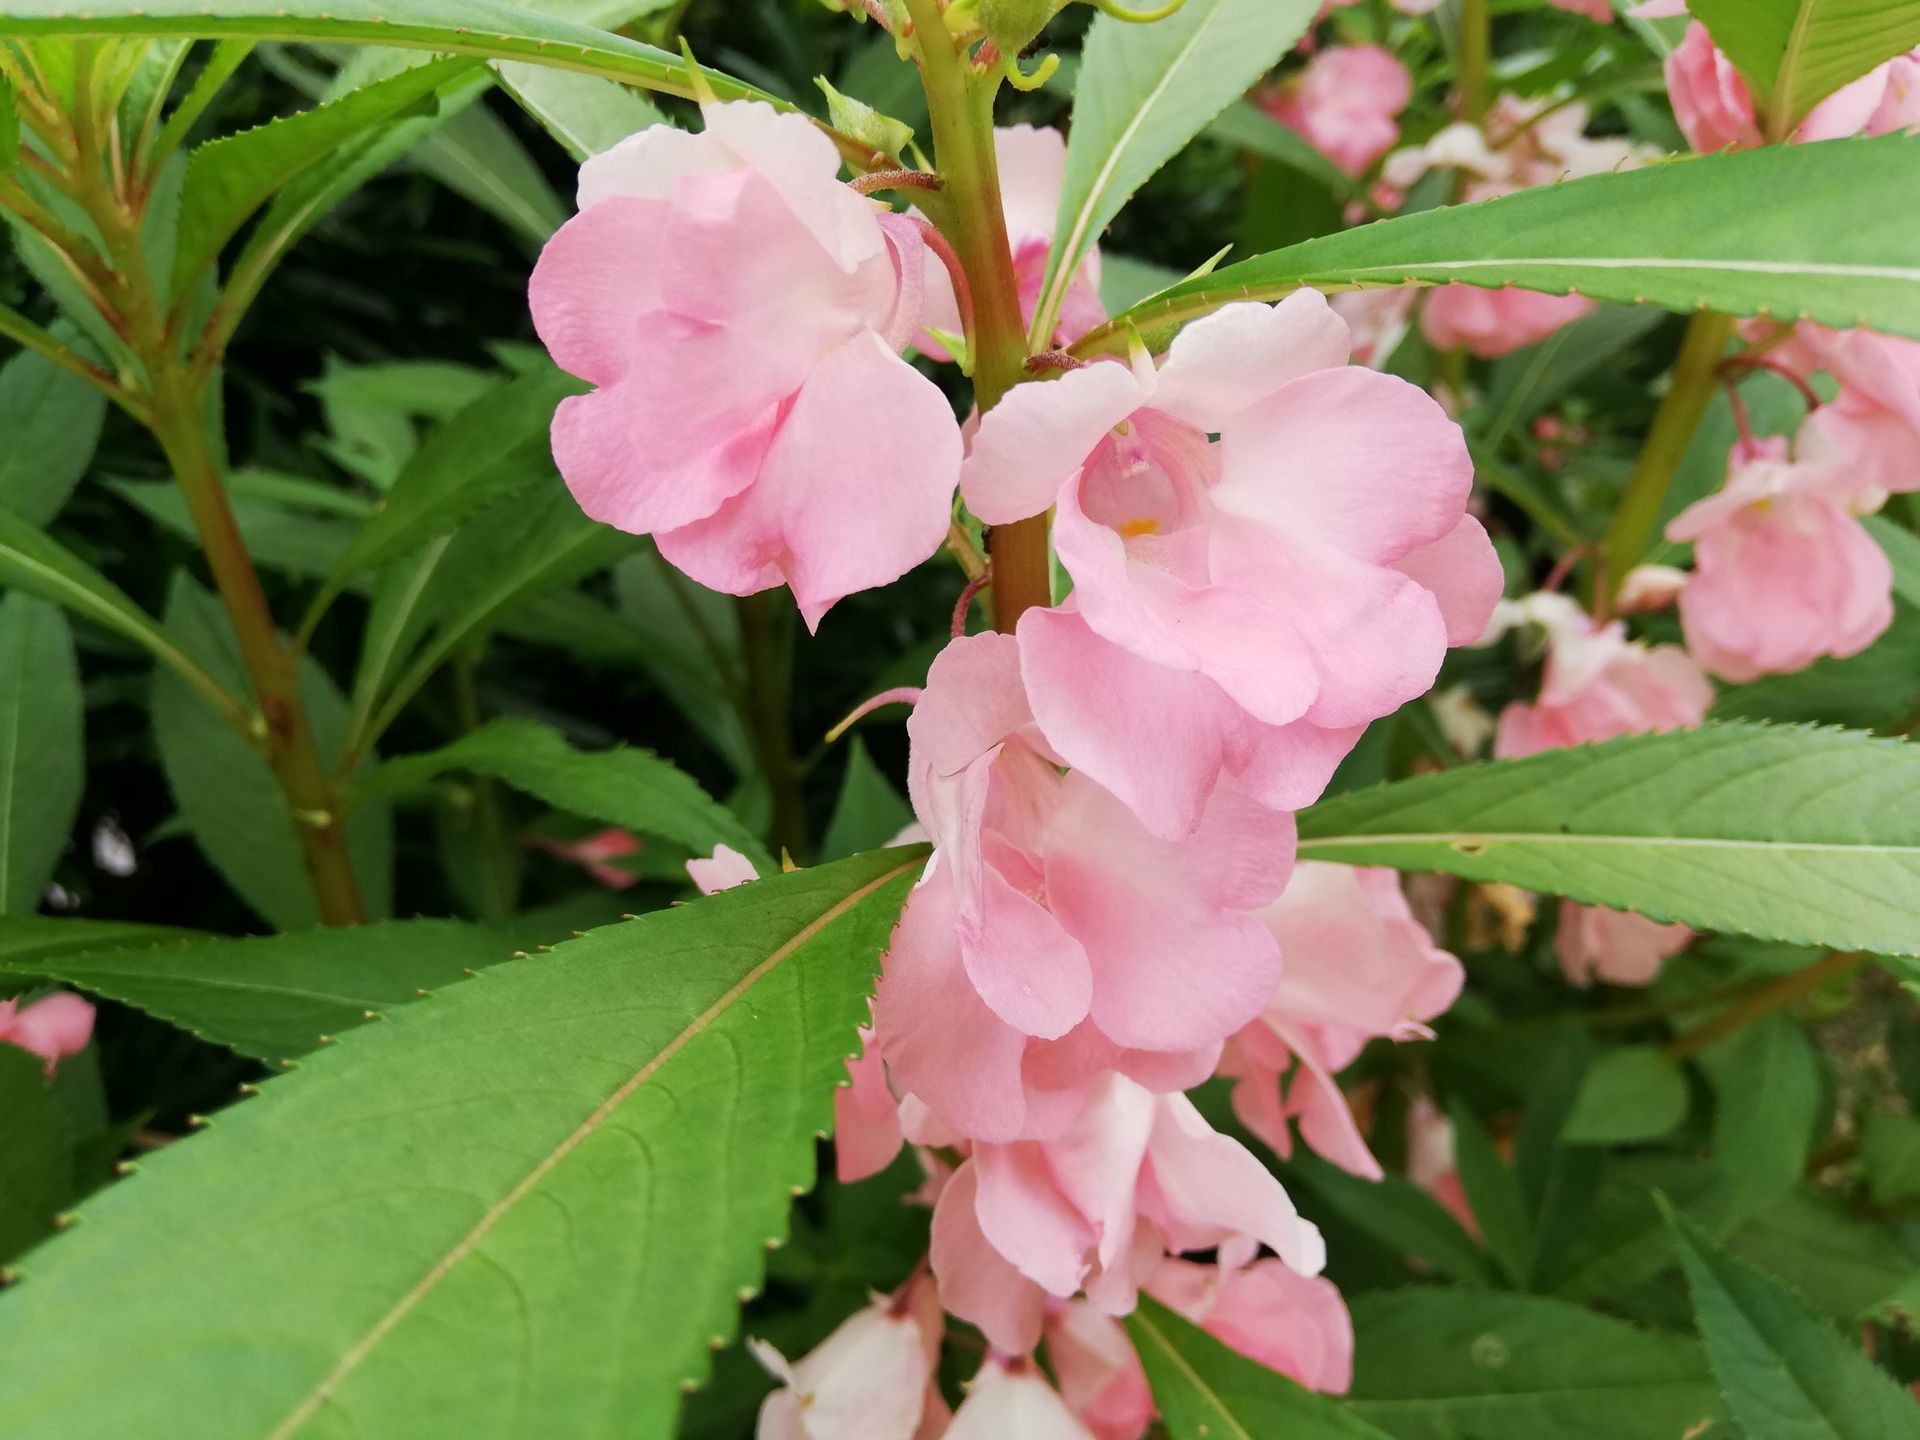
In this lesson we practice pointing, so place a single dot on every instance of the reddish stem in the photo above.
(962, 289)
(965, 603)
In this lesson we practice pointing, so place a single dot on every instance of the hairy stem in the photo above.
(1695, 375)
(960, 102)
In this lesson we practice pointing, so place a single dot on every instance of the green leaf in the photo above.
(1396, 1212)
(228, 797)
(869, 811)
(9, 127)
(494, 448)
(1903, 554)
(1766, 1081)
(1786, 1372)
(1445, 1364)
(32, 561)
(1634, 1093)
(51, 419)
(36, 1163)
(628, 787)
(570, 1167)
(1207, 1392)
(1801, 249)
(278, 537)
(1494, 1195)
(42, 726)
(1890, 1152)
(1807, 836)
(1143, 92)
(485, 28)
(228, 179)
(37, 937)
(479, 158)
(274, 997)
(586, 115)
(1795, 53)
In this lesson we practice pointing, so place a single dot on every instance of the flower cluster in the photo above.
(1269, 548)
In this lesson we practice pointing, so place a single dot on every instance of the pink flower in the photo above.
(1598, 684)
(1716, 111)
(1377, 319)
(593, 853)
(866, 1117)
(1874, 422)
(1616, 946)
(741, 312)
(1241, 608)
(52, 1027)
(1345, 103)
(1430, 1162)
(1048, 914)
(722, 870)
(1293, 1323)
(1136, 1176)
(1033, 166)
(1099, 1375)
(869, 1380)
(1599, 11)
(1011, 1400)
(1900, 102)
(1358, 967)
(1492, 323)
(1783, 573)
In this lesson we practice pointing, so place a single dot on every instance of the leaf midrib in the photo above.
(1782, 121)
(1143, 1321)
(445, 1266)
(1456, 838)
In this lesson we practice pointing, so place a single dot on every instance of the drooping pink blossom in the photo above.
(1135, 1177)
(593, 853)
(52, 1027)
(1009, 1399)
(866, 1116)
(1615, 946)
(1873, 424)
(1597, 684)
(1241, 608)
(1715, 108)
(868, 1380)
(1783, 572)
(1358, 966)
(1346, 103)
(1099, 1374)
(722, 870)
(1293, 1323)
(740, 313)
(1492, 323)
(1033, 166)
(1053, 937)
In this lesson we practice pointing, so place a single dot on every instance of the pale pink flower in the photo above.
(1649, 589)
(1616, 946)
(1048, 914)
(593, 853)
(868, 1380)
(1033, 166)
(1293, 1323)
(722, 870)
(1136, 1176)
(1378, 319)
(52, 1027)
(1600, 11)
(1900, 102)
(1598, 683)
(740, 312)
(1492, 323)
(1358, 967)
(1345, 104)
(1783, 572)
(1011, 1400)
(1873, 424)
(866, 1116)
(1241, 608)
(1430, 1161)
(1715, 108)
(1099, 1375)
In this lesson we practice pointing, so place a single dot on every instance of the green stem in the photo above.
(501, 858)
(960, 103)
(18, 328)
(1695, 377)
(1762, 1002)
(766, 637)
(1476, 52)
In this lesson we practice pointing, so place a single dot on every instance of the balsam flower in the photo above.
(1346, 103)
(869, 1380)
(1009, 1399)
(1783, 572)
(1615, 946)
(1358, 967)
(1241, 607)
(740, 313)
(52, 1027)
(1271, 1313)
(1715, 107)
(1053, 937)
(1136, 1176)
(1099, 1374)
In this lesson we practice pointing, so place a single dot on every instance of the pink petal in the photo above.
(723, 870)
(1462, 572)
(1037, 438)
(1012, 1401)
(1211, 1187)
(866, 1117)
(1242, 354)
(976, 1282)
(1026, 964)
(53, 1028)
(1028, 1220)
(594, 281)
